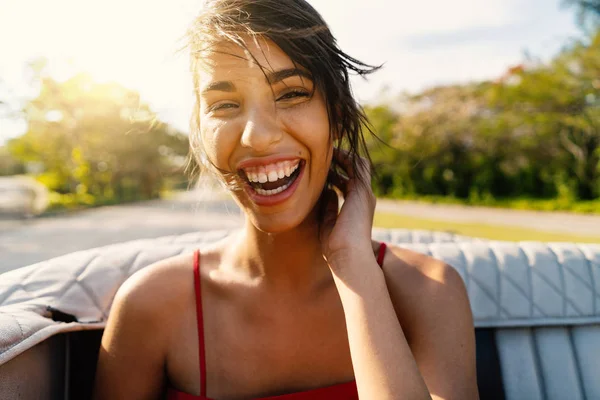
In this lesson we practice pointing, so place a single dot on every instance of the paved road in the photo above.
(26, 242)
(559, 222)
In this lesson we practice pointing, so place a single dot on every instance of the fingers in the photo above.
(361, 171)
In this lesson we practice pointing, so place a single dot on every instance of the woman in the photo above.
(295, 304)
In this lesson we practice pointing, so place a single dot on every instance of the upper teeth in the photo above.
(271, 172)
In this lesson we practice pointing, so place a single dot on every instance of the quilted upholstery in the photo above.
(84, 283)
(553, 363)
(527, 283)
(544, 297)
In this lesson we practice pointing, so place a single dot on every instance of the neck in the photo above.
(290, 261)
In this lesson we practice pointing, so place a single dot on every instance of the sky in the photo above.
(135, 42)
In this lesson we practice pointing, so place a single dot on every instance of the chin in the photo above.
(275, 224)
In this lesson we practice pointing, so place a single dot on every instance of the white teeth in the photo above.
(252, 176)
(273, 176)
(292, 169)
(280, 189)
(262, 177)
(271, 172)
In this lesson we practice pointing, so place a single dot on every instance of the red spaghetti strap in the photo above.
(200, 322)
(381, 254)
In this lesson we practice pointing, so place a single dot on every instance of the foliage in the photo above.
(588, 12)
(530, 139)
(92, 143)
(534, 133)
(9, 165)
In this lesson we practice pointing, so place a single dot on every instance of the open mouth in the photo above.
(275, 180)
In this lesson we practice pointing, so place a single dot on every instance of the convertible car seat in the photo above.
(536, 308)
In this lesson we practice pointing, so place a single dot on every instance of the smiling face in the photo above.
(268, 127)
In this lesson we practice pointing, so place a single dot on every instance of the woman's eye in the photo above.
(223, 106)
(294, 94)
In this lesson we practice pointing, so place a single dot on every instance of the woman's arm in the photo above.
(384, 366)
(440, 359)
(132, 353)
(441, 356)
(431, 300)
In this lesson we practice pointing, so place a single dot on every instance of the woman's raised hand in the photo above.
(347, 234)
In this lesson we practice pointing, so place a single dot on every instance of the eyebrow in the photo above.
(223, 86)
(278, 76)
(272, 78)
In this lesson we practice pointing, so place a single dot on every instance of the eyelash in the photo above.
(288, 96)
(223, 107)
(295, 93)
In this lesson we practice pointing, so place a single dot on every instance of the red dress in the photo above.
(342, 391)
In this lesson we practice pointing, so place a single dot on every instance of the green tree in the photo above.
(97, 142)
(588, 12)
(557, 106)
(383, 122)
(534, 132)
(9, 165)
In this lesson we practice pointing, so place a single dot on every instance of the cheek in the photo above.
(319, 137)
(219, 142)
(310, 127)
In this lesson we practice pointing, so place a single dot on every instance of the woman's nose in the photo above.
(261, 130)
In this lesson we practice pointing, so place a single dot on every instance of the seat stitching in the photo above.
(529, 279)
(550, 284)
(33, 271)
(128, 269)
(588, 286)
(538, 363)
(592, 280)
(498, 280)
(577, 276)
(85, 267)
(16, 320)
(467, 270)
(557, 290)
(10, 292)
(491, 296)
(92, 297)
(21, 284)
(576, 360)
(561, 273)
(519, 289)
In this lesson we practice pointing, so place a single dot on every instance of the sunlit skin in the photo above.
(290, 303)
(247, 117)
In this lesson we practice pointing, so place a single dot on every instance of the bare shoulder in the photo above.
(159, 291)
(426, 272)
(149, 299)
(433, 308)
(157, 286)
(136, 338)
(426, 286)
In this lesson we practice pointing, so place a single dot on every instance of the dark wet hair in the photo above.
(300, 31)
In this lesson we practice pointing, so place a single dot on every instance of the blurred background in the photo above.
(490, 112)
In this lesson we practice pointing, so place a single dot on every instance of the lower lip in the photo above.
(278, 198)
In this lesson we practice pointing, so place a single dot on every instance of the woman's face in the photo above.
(265, 127)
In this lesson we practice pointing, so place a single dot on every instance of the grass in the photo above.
(567, 205)
(494, 232)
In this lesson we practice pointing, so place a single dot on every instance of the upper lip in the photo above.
(258, 161)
